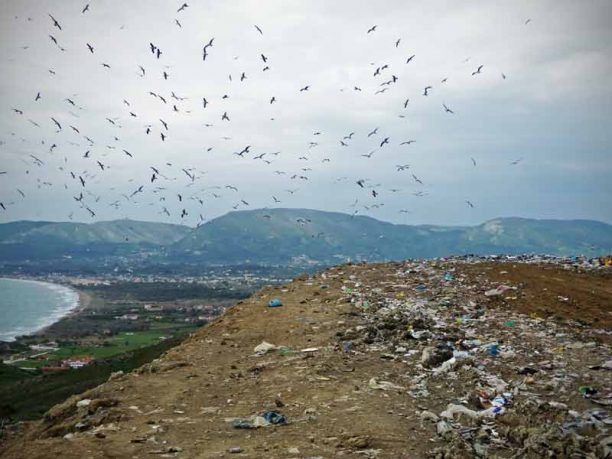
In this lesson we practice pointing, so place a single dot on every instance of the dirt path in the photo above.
(351, 381)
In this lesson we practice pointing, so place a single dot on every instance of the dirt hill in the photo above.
(406, 360)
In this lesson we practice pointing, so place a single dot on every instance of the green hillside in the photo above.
(115, 232)
(289, 236)
(280, 235)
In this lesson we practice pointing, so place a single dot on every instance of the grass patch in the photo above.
(120, 344)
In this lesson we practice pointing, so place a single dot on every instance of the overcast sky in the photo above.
(550, 115)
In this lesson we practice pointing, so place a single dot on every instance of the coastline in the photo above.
(72, 306)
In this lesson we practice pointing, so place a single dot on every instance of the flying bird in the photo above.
(205, 49)
(183, 6)
(447, 110)
(258, 29)
(410, 58)
(371, 29)
(55, 23)
(478, 70)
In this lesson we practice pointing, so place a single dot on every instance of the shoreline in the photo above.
(78, 302)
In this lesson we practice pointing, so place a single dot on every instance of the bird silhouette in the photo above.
(478, 70)
(55, 23)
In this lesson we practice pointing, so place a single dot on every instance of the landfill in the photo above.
(507, 381)
(496, 357)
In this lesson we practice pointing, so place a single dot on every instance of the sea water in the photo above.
(27, 306)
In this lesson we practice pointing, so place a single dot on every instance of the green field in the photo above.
(113, 346)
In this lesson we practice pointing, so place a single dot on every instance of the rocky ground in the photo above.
(444, 359)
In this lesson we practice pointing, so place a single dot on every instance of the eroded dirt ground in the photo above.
(372, 361)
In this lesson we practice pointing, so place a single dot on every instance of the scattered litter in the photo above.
(431, 318)
(587, 391)
(265, 419)
(500, 290)
(383, 385)
(310, 349)
(264, 347)
(275, 303)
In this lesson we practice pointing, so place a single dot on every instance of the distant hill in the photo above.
(112, 232)
(292, 236)
(285, 235)
(32, 240)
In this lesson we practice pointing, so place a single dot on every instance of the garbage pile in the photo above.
(489, 381)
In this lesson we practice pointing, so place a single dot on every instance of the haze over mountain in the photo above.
(296, 236)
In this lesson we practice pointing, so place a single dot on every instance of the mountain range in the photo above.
(294, 236)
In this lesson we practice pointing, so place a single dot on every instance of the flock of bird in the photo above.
(191, 203)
